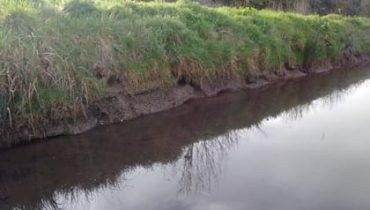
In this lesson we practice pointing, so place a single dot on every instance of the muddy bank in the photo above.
(120, 106)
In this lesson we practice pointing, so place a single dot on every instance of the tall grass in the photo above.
(59, 56)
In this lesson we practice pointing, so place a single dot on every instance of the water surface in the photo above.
(301, 144)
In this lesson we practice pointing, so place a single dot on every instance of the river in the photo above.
(301, 144)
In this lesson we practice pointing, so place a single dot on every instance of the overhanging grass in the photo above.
(57, 56)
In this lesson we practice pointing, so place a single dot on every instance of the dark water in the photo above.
(302, 144)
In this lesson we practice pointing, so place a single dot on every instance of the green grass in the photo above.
(58, 56)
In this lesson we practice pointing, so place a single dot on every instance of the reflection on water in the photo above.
(294, 145)
(202, 163)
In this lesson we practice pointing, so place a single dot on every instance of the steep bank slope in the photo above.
(65, 68)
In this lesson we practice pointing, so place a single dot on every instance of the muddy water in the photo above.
(302, 144)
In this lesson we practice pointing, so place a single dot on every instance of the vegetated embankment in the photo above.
(68, 67)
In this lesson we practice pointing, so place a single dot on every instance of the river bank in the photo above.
(120, 107)
(67, 71)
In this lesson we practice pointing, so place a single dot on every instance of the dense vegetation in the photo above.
(57, 56)
(323, 7)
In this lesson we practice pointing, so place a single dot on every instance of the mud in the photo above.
(119, 106)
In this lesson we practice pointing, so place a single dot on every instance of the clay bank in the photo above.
(68, 67)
